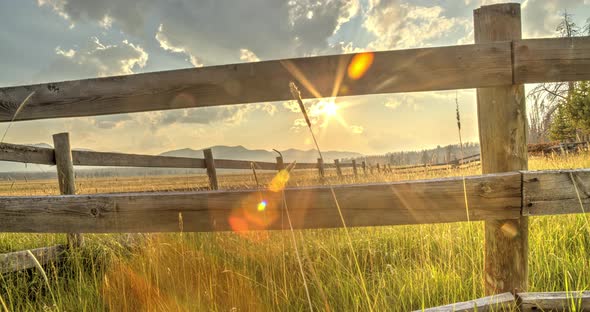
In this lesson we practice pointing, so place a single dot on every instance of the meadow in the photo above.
(399, 268)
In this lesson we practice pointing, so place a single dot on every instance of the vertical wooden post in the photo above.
(321, 168)
(338, 169)
(254, 173)
(211, 171)
(364, 165)
(502, 135)
(354, 169)
(378, 168)
(280, 163)
(66, 177)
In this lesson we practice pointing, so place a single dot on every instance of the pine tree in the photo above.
(562, 127)
(578, 106)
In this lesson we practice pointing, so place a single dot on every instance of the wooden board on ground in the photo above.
(500, 302)
(20, 260)
(555, 301)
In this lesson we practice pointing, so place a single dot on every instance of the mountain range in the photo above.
(222, 152)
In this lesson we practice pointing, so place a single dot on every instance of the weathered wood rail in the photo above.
(45, 156)
(490, 196)
(498, 65)
(466, 66)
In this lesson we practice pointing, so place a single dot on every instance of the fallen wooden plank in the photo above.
(413, 202)
(551, 60)
(21, 260)
(500, 302)
(461, 67)
(554, 192)
(27, 154)
(555, 301)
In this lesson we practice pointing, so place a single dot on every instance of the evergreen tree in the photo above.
(578, 106)
(562, 127)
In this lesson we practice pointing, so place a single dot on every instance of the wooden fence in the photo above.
(498, 65)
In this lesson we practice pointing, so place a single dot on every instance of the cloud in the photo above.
(399, 25)
(407, 101)
(248, 56)
(110, 121)
(176, 47)
(228, 115)
(129, 15)
(94, 59)
(211, 32)
(541, 17)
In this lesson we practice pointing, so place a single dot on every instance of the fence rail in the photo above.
(465, 66)
(491, 196)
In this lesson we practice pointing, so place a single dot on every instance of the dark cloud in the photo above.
(214, 31)
(94, 59)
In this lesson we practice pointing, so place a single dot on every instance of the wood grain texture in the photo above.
(21, 260)
(280, 163)
(66, 177)
(554, 192)
(91, 158)
(321, 168)
(500, 302)
(45, 156)
(306, 165)
(502, 124)
(26, 154)
(555, 301)
(415, 202)
(211, 169)
(243, 164)
(552, 60)
(427, 69)
(338, 168)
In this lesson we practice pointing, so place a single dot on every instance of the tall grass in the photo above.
(404, 267)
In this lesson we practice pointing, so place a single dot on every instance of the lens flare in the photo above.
(279, 182)
(359, 65)
(509, 230)
(262, 205)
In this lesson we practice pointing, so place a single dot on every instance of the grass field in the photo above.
(399, 268)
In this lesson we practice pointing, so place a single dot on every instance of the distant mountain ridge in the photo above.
(238, 152)
(241, 153)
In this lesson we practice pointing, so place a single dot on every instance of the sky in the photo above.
(57, 40)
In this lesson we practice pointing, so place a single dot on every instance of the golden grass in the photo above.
(404, 267)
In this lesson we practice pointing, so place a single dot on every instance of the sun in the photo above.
(329, 109)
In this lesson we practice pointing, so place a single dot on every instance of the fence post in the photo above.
(338, 169)
(502, 135)
(378, 168)
(280, 163)
(66, 177)
(364, 165)
(354, 170)
(211, 171)
(321, 167)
